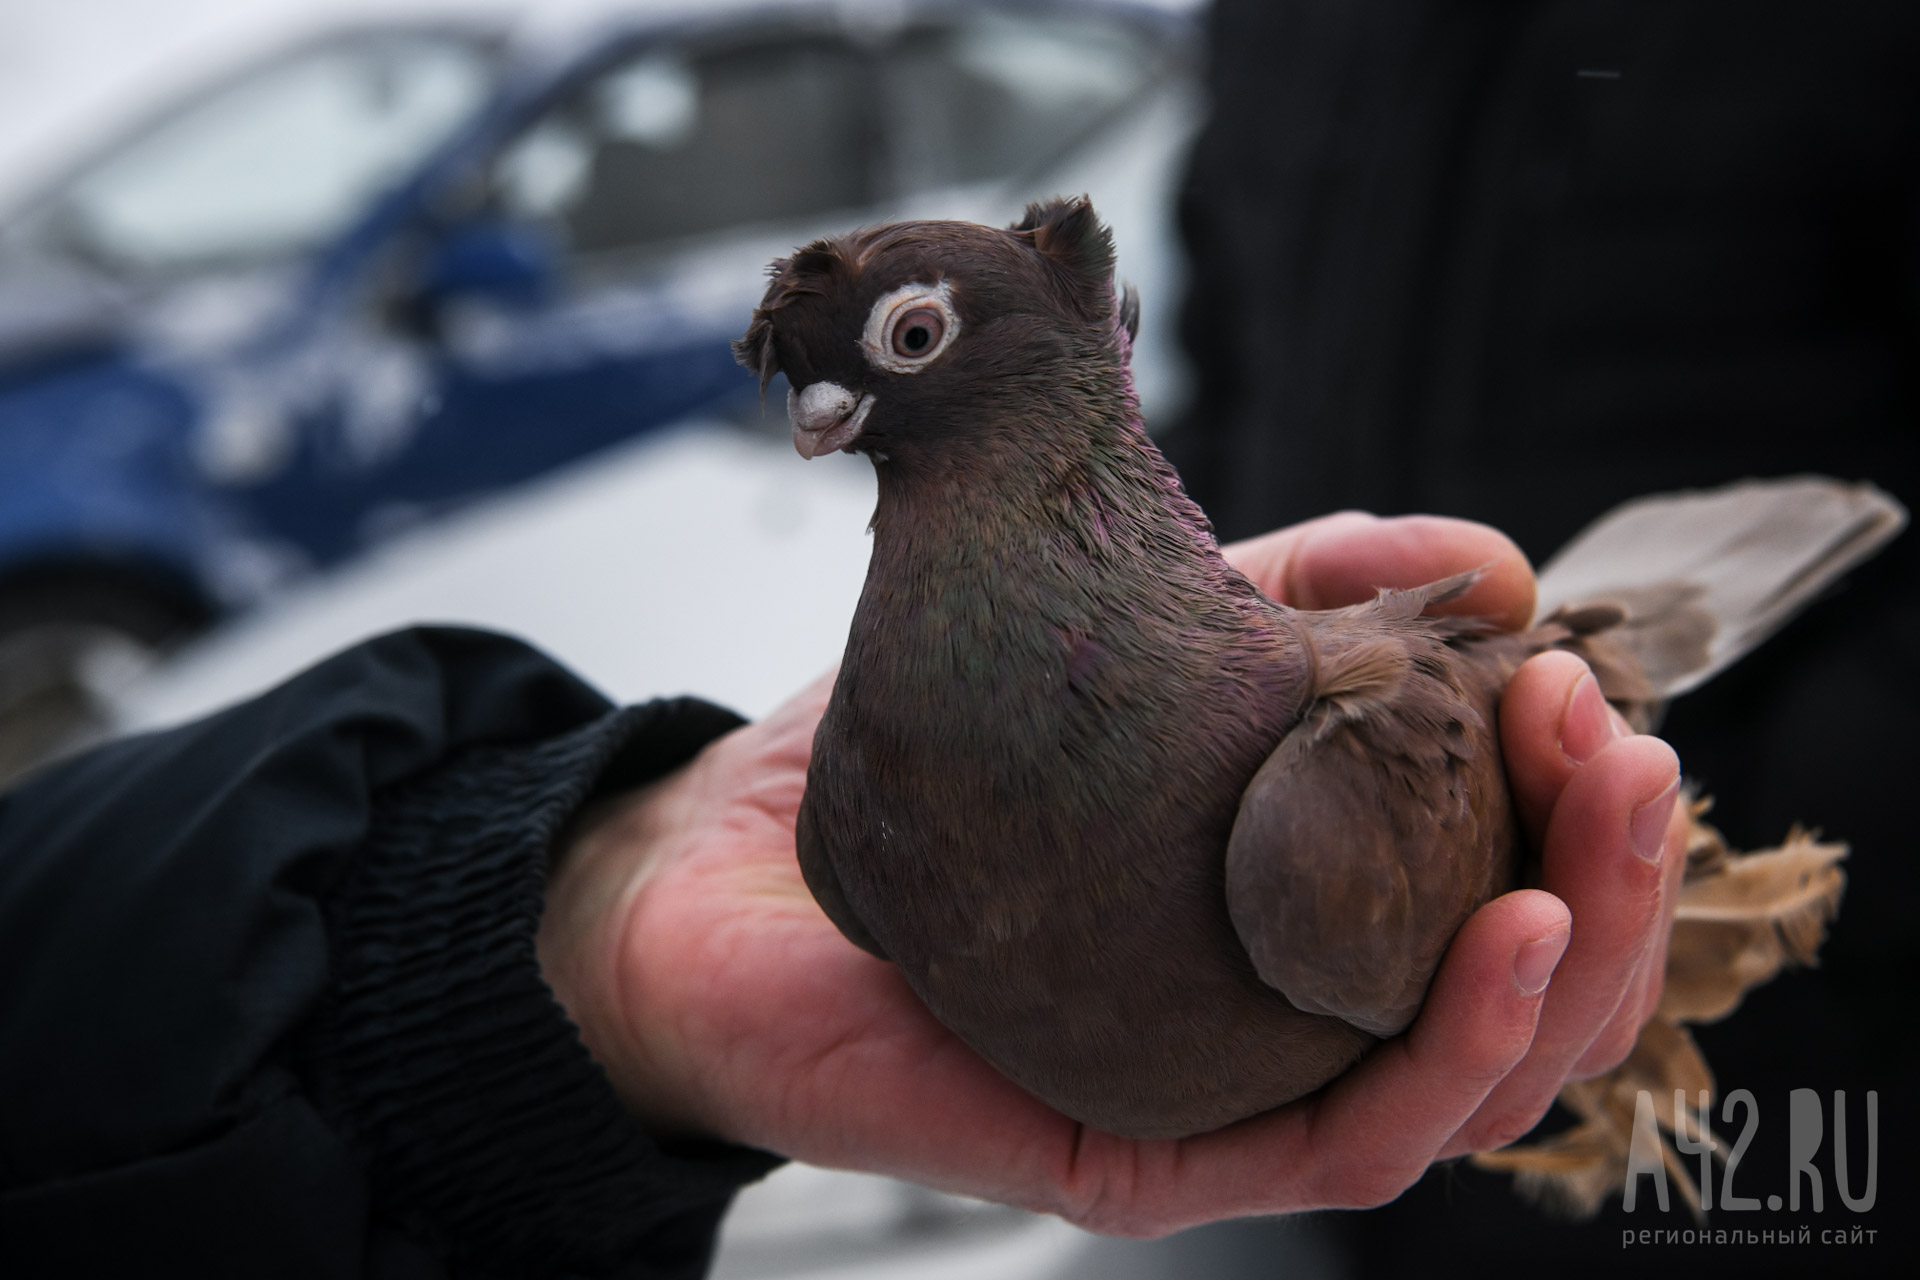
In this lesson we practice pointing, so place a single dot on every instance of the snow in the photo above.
(708, 561)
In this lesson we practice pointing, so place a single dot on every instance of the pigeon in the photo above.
(1166, 852)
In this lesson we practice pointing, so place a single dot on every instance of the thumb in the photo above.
(1345, 558)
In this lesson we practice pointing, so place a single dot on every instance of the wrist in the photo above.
(440, 1048)
(600, 867)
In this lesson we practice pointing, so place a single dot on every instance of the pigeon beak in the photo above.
(826, 416)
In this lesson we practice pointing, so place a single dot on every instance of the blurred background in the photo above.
(314, 324)
(309, 328)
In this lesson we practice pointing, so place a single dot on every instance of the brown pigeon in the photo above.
(1165, 852)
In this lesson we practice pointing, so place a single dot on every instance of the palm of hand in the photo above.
(747, 984)
(724, 1002)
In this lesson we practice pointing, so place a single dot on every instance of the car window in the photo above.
(994, 95)
(275, 163)
(677, 142)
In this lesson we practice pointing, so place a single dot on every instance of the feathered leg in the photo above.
(1741, 918)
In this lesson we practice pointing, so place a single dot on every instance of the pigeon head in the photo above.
(896, 339)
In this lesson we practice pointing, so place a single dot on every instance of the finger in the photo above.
(1655, 832)
(1612, 808)
(1374, 1130)
(1345, 558)
(1643, 997)
(1386, 1121)
(784, 739)
(1553, 719)
(1268, 559)
(811, 701)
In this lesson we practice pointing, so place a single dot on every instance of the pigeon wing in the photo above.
(1379, 823)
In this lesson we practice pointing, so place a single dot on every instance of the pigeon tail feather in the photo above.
(1702, 577)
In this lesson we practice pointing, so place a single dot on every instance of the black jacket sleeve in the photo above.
(269, 1000)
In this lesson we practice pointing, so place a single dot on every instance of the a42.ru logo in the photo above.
(1692, 1128)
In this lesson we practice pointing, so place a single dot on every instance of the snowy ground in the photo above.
(708, 560)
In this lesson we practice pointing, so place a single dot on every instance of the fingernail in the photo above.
(1588, 722)
(1534, 963)
(1647, 829)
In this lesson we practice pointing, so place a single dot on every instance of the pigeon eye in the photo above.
(910, 327)
(918, 332)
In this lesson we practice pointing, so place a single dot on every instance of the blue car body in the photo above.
(208, 431)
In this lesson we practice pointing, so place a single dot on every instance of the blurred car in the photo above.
(395, 268)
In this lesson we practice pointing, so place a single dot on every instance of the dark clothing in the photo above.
(271, 1004)
(1520, 262)
(1523, 261)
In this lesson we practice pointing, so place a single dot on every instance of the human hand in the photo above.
(681, 937)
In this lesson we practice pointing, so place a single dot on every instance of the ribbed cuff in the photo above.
(487, 1124)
